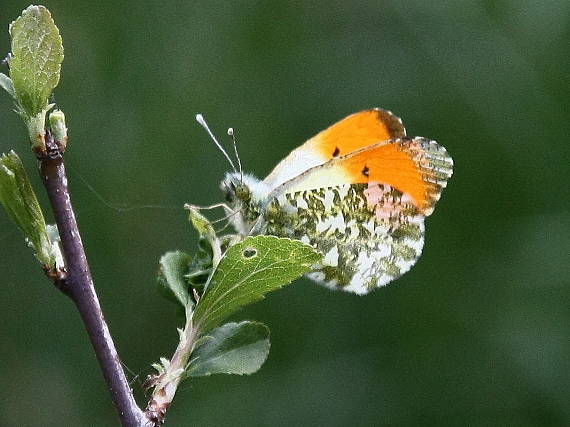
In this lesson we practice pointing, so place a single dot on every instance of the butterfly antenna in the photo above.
(231, 133)
(200, 119)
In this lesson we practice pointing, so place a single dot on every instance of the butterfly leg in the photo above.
(257, 226)
(205, 208)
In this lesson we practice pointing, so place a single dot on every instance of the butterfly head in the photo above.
(243, 189)
(235, 191)
(246, 197)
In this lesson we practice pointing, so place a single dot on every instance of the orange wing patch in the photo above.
(357, 131)
(416, 166)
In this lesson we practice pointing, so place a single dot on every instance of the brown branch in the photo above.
(79, 284)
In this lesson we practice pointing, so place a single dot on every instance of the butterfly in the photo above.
(358, 192)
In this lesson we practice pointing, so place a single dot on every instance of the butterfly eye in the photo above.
(242, 192)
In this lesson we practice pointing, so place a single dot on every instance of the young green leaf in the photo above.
(233, 348)
(58, 129)
(21, 204)
(201, 266)
(173, 267)
(248, 271)
(55, 240)
(205, 230)
(37, 54)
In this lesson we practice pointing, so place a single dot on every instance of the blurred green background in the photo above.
(478, 333)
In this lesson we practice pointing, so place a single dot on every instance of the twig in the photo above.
(79, 284)
(166, 383)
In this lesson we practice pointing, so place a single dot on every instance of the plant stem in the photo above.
(79, 286)
(166, 384)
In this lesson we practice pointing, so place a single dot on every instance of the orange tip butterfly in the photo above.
(358, 192)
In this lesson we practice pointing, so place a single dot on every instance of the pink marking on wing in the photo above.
(406, 198)
(385, 206)
(374, 194)
(387, 209)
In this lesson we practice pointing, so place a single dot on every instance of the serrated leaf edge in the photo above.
(255, 271)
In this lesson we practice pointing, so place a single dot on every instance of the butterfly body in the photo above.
(358, 192)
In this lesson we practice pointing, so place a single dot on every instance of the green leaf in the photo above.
(55, 240)
(233, 348)
(249, 270)
(201, 266)
(57, 125)
(206, 231)
(35, 66)
(21, 204)
(173, 267)
(200, 222)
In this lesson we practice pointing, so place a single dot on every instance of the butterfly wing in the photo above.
(417, 167)
(364, 211)
(354, 132)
